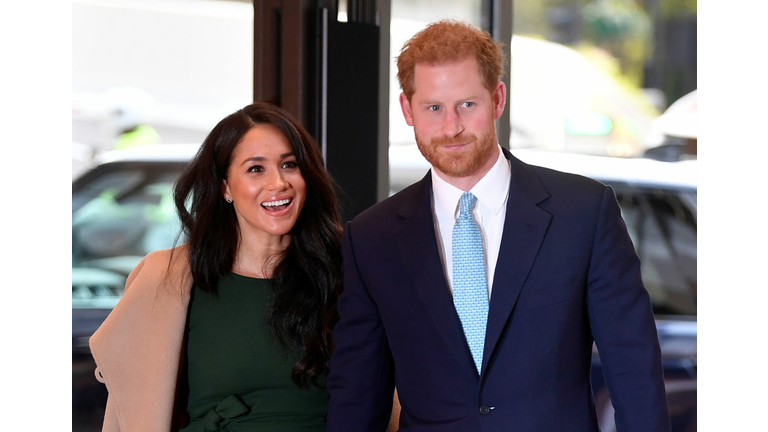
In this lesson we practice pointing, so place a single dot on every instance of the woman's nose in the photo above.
(277, 181)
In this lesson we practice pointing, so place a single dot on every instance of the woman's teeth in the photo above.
(275, 203)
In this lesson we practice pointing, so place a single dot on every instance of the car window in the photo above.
(662, 225)
(120, 214)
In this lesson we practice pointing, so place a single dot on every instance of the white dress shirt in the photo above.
(489, 213)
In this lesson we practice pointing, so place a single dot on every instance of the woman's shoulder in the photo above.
(170, 263)
(174, 256)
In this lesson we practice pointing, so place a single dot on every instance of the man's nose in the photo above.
(452, 123)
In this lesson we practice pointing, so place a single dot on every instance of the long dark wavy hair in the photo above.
(307, 277)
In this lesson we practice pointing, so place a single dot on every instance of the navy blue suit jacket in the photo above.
(567, 275)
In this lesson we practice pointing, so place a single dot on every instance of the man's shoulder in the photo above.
(382, 218)
(557, 181)
(396, 204)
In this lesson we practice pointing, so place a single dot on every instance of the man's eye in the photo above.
(468, 104)
(434, 108)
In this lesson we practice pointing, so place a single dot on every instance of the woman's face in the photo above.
(265, 185)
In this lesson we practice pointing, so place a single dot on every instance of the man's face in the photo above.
(453, 117)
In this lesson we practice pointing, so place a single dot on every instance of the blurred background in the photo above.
(603, 88)
(591, 76)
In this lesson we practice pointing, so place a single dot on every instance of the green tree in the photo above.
(623, 28)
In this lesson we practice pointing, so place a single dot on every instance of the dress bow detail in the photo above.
(231, 407)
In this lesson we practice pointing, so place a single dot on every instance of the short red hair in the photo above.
(450, 41)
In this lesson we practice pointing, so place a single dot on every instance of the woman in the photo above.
(232, 330)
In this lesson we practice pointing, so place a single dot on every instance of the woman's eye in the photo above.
(290, 164)
(256, 168)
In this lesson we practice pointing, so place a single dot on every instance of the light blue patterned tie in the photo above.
(470, 290)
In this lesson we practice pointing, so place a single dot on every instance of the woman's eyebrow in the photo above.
(263, 158)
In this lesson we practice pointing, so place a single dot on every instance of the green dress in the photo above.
(239, 377)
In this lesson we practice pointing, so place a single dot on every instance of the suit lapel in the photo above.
(417, 244)
(525, 225)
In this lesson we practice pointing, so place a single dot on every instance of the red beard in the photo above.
(461, 163)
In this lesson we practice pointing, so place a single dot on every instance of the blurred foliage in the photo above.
(618, 36)
(676, 8)
(622, 28)
(604, 61)
(529, 17)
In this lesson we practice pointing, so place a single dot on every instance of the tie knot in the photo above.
(467, 202)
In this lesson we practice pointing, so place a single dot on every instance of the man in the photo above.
(482, 307)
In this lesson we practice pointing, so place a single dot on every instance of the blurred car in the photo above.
(123, 209)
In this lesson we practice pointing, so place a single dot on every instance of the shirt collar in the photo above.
(491, 191)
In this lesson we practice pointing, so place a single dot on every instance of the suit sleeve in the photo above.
(361, 378)
(623, 326)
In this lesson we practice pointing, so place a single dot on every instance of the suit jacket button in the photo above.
(485, 409)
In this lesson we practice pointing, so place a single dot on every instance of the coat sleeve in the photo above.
(111, 423)
(138, 346)
(131, 277)
(394, 419)
(623, 326)
(361, 378)
(111, 418)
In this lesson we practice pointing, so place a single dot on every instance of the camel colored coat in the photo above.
(138, 348)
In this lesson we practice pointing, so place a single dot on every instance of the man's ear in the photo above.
(405, 105)
(499, 99)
